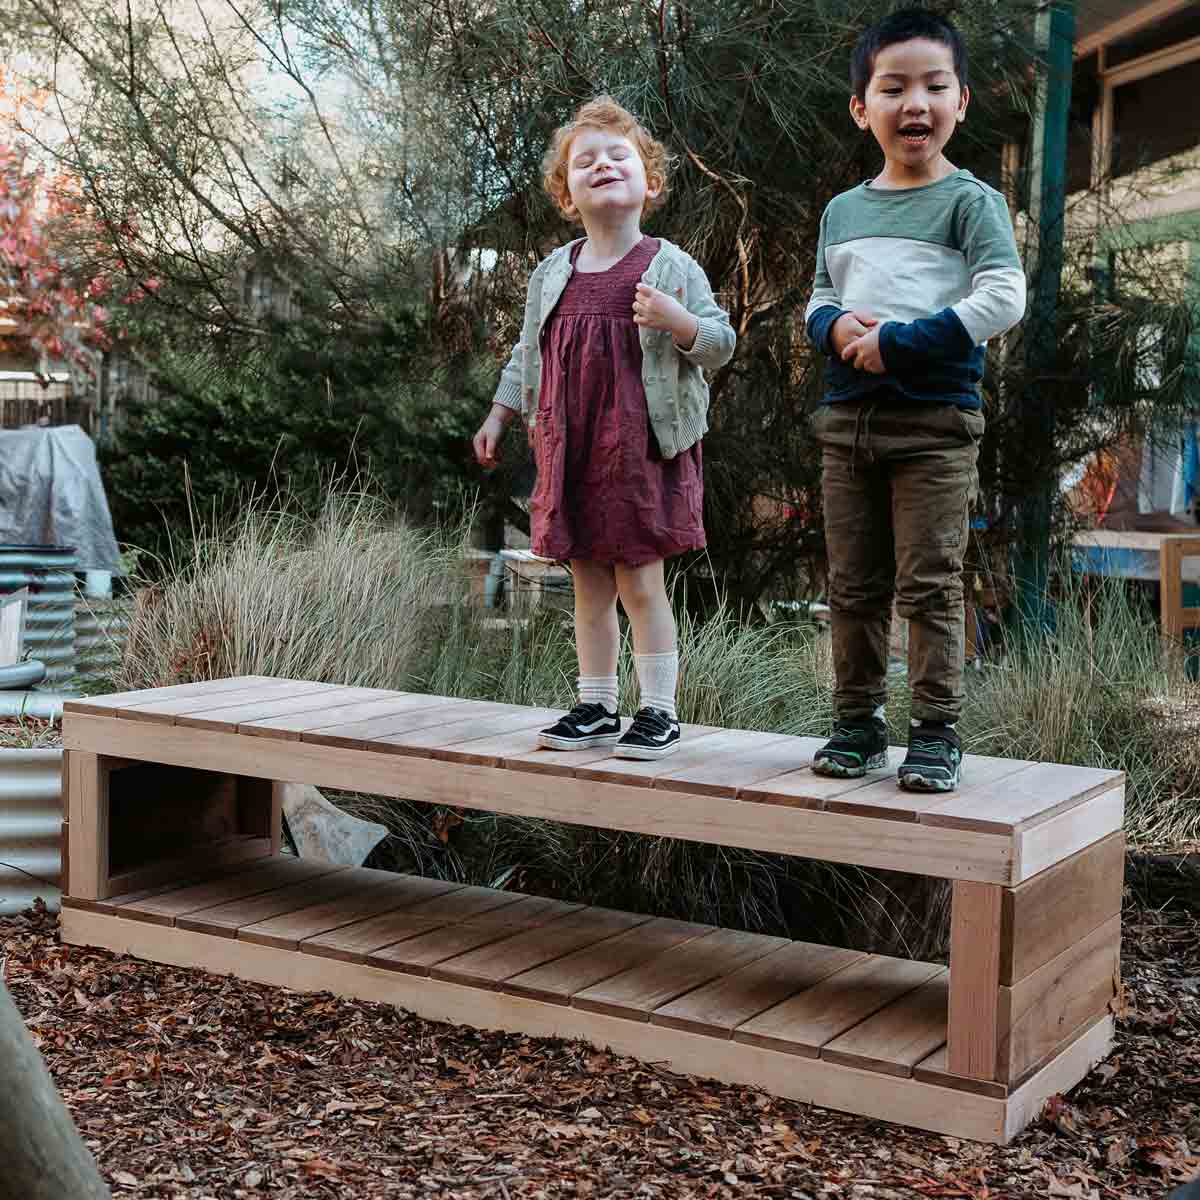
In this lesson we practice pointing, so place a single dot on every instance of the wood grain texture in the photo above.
(558, 981)
(899, 1035)
(1035, 794)
(719, 1007)
(868, 1093)
(935, 1069)
(864, 841)
(885, 799)
(1038, 1014)
(636, 993)
(1045, 915)
(290, 727)
(804, 789)
(975, 932)
(732, 774)
(112, 704)
(808, 1021)
(1039, 846)
(227, 918)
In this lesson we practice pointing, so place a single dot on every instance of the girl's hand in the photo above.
(657, 310)
(863, 352)
(491, 433)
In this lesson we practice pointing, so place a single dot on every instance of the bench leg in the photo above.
(1034, 966)
(975, 934)
(134, 825)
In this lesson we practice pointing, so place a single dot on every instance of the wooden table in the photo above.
(173, 850)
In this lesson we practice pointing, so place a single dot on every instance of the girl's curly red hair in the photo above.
(604, 113)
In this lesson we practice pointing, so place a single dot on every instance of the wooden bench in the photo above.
(173, 839)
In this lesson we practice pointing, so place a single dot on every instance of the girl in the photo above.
(608, 373)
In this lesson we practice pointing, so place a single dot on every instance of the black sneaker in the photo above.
(858, 745)
(585, 726)
(653, 734)
(933, 760)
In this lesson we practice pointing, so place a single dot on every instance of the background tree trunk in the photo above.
(43, 1155)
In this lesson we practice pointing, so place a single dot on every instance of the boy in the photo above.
(916, 269)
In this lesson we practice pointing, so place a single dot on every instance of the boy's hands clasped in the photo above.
(855, 338)
(657, 310)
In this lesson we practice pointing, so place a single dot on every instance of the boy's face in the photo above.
(606, 176)
(912, 104)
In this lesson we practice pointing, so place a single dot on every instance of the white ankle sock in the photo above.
(658, 675)
(599, 689)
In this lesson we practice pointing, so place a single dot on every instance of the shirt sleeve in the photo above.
(715, 339)
(994, 305)
(824, 307)
(508, 391)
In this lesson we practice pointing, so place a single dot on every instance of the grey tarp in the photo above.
(51, 495)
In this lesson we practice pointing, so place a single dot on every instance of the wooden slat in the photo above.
(1044, 1008)
(490, 751)
(804, 789)
(558, 981)
(538, 761)
(108, 706)
(805, 1023)
(167, 711)
(697, 744)
(898, 1036)
(381, 703)
(162, 907)
(197, 874)
(376, 893)
(733, 774)
(719, 1007)
(636, 993)
(1047, 914)
(261, 710)
(441, 740)
(1034, 794)
(88, 818)
(444, 904)
(815, 1081)
(1041, 844)
(488, 965)
(934, 1070)
(226, 919)
(865, 841)
(886, 799)
(975, 984)
(416, 955)
(360, 735)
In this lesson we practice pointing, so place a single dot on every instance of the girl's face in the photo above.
(606, 177)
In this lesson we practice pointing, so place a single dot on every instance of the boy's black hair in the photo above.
(903, 26)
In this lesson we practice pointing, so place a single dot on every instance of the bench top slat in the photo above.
(884, 799)
(168, 711)
(112, 704)
(1031, 796)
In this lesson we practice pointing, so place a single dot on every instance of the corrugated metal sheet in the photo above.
(101, 631)
(49, 574)
(30, 828)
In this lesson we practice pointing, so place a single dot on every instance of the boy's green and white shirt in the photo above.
(937, 265)
(676, 390)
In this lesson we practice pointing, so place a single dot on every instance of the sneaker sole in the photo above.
(548, 741)
(920, 783)
(828, 766)
(645, 753)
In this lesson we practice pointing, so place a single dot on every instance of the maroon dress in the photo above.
(604, 492)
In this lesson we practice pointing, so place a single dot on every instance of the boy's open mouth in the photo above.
(916, 135)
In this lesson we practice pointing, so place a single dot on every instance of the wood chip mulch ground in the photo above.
(189, 1085)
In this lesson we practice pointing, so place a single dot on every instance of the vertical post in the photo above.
(1048, 168)
(973, 1033)
(87, 782)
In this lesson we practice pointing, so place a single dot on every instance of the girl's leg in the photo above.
(643, 594)
(597, 637)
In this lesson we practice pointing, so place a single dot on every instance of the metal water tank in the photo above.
(49, 574)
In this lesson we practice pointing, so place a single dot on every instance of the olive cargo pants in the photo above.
(898, 479)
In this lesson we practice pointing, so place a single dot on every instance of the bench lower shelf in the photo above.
(859, 1033)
